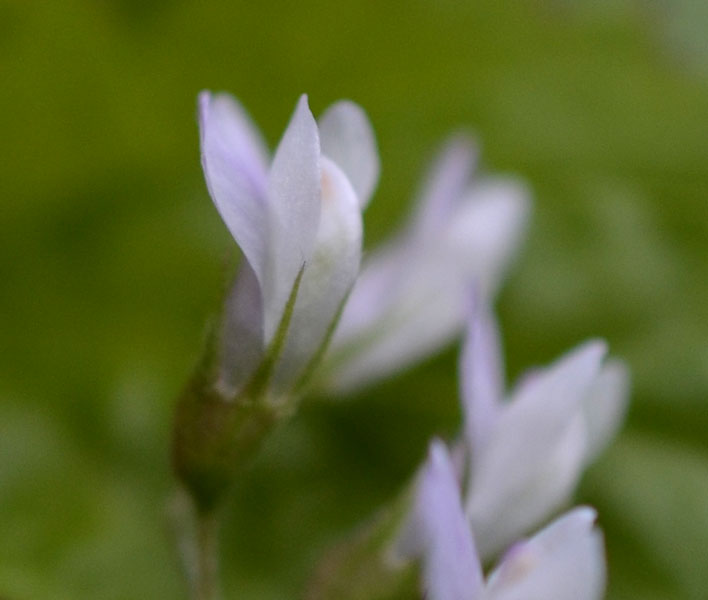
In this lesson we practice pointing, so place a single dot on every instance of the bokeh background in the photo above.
(112, 257)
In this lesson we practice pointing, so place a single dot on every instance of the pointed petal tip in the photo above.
(439, 470)
(203, 98)
(464, 143)
(303, 115)
(590, 353)
(437, 452)
(509, 193)
(303, 103)
(586, 515)
(597, 348)
(203, 103)
(207, 98)
(347, 104)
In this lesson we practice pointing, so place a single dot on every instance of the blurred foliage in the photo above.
(112, 257)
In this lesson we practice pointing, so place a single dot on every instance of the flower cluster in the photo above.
(564, 560)
(519, 461)
(299, 316)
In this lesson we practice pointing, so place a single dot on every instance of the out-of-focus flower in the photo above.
(526, 452)
(297, 220)
(411, 296)
(518, 462)
(564, 561)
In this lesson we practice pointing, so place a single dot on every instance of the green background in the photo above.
(112, 257)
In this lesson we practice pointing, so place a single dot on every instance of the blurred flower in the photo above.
(298, 223)
(518, 462)
(527, 452)
(564, 561)
(411, 296)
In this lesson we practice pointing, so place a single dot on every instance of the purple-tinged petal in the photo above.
(445, 185)
(565, 561)
(235, 167)
(605, 406)
(242, 344)
(328, 276)
(347, 138)
(293, 211)
(486, 229)
(411, 297)
(385, 275)
(439, 535)
(530, 493)
(372, 295)
(418, 318)
(481, 377)
(538, 444)
(554, 394)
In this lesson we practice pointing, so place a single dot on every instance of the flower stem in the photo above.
(206, 585)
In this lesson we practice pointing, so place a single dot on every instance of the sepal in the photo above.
(216, 432)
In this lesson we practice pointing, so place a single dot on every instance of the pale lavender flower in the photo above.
(297, 220)
(411, 296)
(564, 561)
(526, 452)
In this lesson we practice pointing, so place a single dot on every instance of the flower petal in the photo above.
(293, 212)
(423, 313)
(538, 444)
(605, 406)
(565, 561)
(242, 345)
(499, 516)
(445, 185)
(411, 297)
(328, 276)
(235, 168)
(439, 534)
(346, 137)
(386, 272)
(371, 297)
(486, 229)
(481, 377)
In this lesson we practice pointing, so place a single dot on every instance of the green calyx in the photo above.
(213, 438)
(215, 434)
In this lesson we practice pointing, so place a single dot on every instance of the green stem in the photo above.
(206, 585)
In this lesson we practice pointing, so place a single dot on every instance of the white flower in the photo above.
(297, 220)
(411, 296)
(564, 561)
(526, 452)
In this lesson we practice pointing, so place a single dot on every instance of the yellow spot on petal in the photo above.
(519, 564)
(327, 186)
